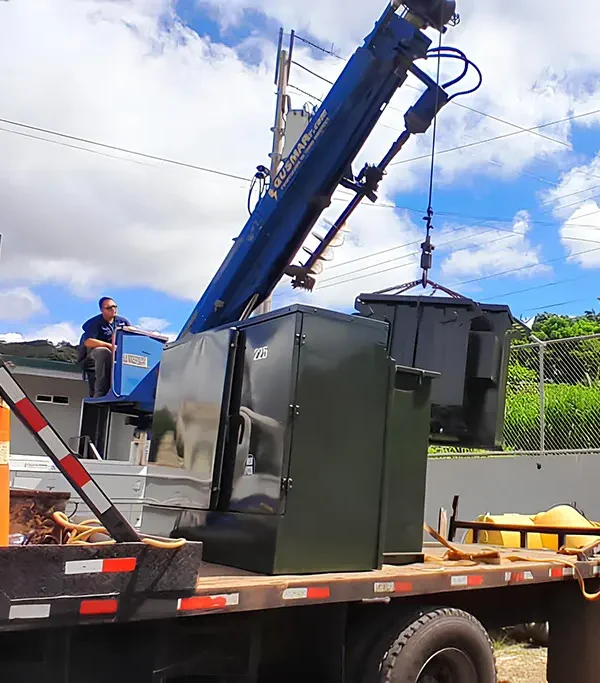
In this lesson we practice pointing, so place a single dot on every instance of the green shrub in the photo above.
(571, 418)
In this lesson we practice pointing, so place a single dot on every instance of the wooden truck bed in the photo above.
(132, 581)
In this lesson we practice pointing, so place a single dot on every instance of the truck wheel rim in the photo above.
(449, 665)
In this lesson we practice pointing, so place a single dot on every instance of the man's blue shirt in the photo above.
(99, 328)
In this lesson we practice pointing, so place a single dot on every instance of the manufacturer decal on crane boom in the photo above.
(290, 166)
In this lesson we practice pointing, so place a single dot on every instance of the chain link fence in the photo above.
(553, 397)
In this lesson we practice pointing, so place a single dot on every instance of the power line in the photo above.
(104, 145)
(66, 144)
(544, 286)
(522, 268)
(416, 253)
(495, 118)
(486, 219)
(229, 175)
(496, 228)
(458, 104)
(570, 194)
(514, 125)
(547, 306)
(479, 279)
(499, 137)
(318, 47)
(312, 73)
(314, 97)
(510, 233)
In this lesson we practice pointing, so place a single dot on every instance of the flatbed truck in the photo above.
(302, 556)
(131, 613)
(152, 611)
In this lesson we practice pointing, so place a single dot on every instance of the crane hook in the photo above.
(427, 250)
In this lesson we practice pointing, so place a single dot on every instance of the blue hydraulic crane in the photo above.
(321, 161)
(302, 188)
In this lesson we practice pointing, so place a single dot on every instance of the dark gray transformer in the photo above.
(468, 343)
(312, 443)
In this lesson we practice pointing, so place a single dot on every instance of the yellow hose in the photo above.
(493, 556)
(79, 534)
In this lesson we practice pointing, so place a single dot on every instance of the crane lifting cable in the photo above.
(427, 247)
(417, 120)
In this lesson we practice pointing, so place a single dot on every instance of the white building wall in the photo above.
(65, 418)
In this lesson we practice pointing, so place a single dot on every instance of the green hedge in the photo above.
(571, 418)
(572, 415)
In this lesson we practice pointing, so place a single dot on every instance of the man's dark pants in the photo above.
(102, 358)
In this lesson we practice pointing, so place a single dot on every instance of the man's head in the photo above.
(108, 308)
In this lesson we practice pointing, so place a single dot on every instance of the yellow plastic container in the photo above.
(564, 516)
(507, 539)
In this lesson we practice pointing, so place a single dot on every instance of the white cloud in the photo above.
(12, 337)
(56, 333)
(156, 326)
(19, 303)
(539, 65)
(574, 201)
(152, 324)
(487, 250)
(83, 220)
(580, 235)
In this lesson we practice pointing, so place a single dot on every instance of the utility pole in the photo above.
(282, 75)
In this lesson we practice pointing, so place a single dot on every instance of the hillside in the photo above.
(40, 348)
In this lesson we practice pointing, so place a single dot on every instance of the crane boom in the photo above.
(301, 188)
(321, 159)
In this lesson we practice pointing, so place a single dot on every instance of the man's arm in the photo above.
(90, 330)
(92, 343)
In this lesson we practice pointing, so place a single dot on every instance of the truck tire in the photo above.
(443, 645)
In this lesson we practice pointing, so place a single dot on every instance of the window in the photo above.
(57, 400)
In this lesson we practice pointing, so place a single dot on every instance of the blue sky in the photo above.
(197, 86)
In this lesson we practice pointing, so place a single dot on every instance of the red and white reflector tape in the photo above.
(560, 572)
(31, 611)
(98, 606)
(518, 577)
(309, 593)
(108, 566)
(201, 602)
(466, 580)
(392, 587)
(70, 466)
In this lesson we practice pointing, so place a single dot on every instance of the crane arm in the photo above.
(321, 160)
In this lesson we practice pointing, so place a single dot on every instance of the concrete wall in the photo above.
(65, 418)
(523, 484)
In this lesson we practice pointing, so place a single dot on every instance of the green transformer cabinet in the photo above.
(468, 344)
(320, 451)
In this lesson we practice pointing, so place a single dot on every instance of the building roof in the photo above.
(42, 367)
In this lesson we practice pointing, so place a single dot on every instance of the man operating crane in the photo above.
(96, 346)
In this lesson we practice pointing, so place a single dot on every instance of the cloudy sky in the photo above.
(517, 217)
